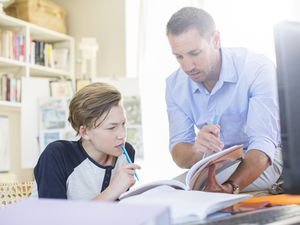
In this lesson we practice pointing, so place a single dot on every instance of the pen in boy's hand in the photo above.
(129, 160)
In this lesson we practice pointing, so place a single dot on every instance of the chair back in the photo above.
(13, 192)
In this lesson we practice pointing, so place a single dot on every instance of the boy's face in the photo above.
(109, 135)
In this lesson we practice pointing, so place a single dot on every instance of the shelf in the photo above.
(23, 117)
(11, 105)
(5, 62)
(7, 21)
(43, 34)
(42, 71)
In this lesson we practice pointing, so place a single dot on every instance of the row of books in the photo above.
(12, 45)
(10, 88)
(45, 54)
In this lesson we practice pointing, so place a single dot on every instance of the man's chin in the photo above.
(197, 79)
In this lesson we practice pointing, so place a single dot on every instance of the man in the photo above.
(235, 86)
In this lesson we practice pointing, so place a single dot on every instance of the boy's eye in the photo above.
(110, 128)
(178, 57)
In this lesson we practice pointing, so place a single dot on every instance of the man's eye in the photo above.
(194, 53)
(110, 128)
(178, 57)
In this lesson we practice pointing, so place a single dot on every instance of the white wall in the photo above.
(105, 20)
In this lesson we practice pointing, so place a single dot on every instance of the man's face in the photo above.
(196, 55)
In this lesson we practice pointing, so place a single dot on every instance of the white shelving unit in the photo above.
(22, 114)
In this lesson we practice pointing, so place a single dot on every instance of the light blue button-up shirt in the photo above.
(244, 98)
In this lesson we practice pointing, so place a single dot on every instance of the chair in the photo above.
(8, 177)
(14, 192)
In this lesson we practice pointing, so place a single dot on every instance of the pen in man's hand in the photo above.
(129, 160)
(214, 121)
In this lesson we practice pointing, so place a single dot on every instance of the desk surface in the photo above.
(277, 215)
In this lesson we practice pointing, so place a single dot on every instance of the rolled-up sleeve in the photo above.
(181, 127)
(263, 113)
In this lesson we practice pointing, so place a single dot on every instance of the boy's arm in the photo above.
(49, 175)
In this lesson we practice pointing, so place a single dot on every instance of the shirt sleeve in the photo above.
(50, 174)
(263, 113)
(181, 127)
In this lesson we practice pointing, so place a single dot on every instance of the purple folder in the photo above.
(68, 212)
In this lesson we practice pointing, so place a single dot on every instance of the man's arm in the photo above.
(185, 156)
(253, 165)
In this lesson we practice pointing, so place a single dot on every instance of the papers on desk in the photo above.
(186, 206)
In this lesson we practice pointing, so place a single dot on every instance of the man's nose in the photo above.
(188, 65)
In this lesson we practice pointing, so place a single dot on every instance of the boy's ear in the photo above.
(83, 132)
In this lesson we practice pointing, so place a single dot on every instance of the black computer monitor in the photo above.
(287, 48)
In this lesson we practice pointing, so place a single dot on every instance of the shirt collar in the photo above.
(228, 71)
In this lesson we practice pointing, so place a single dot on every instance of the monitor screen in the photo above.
(287, 48)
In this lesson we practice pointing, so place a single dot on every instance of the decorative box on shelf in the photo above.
(44, 13)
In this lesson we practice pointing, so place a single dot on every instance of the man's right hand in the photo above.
(208, 139)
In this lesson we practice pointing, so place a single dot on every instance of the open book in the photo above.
(226, 161)
(186, 202)
(186, 206)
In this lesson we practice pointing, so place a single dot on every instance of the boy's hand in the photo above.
(122, 180)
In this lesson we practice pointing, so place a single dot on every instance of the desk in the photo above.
(277, 215)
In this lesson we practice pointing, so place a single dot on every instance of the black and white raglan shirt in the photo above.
(65, 171)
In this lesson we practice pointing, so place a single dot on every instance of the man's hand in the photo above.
(208, 139)
(212, 183)
(252, 166)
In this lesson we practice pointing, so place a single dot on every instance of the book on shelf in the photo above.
(12, 45)
(195, 178)
(10, 88)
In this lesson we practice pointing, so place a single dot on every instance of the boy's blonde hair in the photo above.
(92, 102)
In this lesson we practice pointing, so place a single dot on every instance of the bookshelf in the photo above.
(29, 54)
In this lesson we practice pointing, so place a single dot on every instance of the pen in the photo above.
(214, 121)
(129, 160)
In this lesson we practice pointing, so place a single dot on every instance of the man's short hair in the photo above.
(191, 17)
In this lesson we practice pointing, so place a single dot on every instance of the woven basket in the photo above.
(13, 192)
(45, 13)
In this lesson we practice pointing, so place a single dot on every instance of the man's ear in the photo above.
(83, 132)
(216, 40)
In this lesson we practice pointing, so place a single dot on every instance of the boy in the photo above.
(93, 167)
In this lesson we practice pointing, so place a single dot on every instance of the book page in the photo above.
(221, 158)
(186, 205)
(139, 189)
